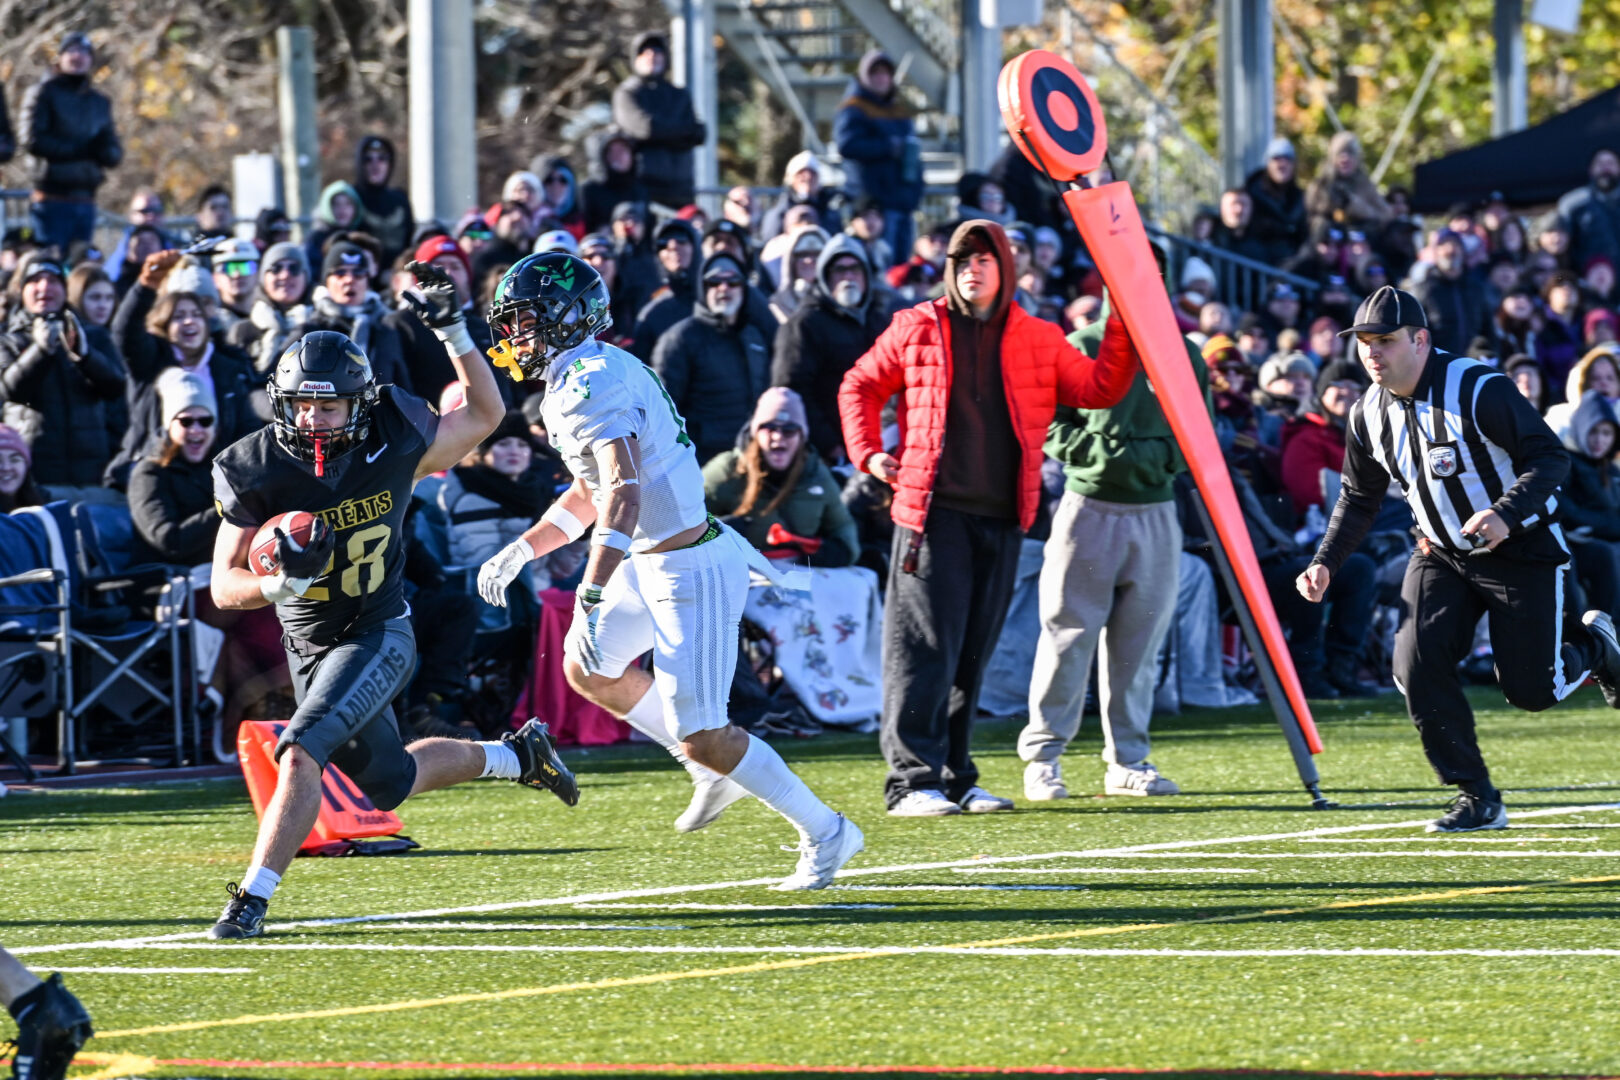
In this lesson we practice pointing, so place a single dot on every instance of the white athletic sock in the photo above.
(764, 775)
(501, 761)
(260, 881)
(647, 717)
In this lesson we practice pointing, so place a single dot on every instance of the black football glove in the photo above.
(50, 1030)
(311, 560)
(433, 298)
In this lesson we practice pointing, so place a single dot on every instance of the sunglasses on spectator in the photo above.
(375, 156)
(149, 211)
(782, 428)
(727, 281)
(556, 179)
(476, 234)
(285, 267)
(349, 272)
(240, 268)
(204, 422)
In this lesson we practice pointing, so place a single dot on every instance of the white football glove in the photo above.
(279, 588)
(502, 569)
(581, 640)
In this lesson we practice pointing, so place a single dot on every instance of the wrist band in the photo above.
(590, 593)
(569, 525)
(457, 341)
(602, 536)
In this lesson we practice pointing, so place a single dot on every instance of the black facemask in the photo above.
(1605, 181)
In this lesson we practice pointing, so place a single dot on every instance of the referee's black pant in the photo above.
(1542, 651)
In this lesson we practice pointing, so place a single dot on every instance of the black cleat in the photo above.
(1470, 813)
(542, 768)
(243, 917)
(1606, 668)
(50, 1031)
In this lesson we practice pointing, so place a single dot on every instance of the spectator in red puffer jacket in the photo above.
(1315, 441)
(979, 381)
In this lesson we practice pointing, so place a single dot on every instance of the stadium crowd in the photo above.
(122, 373)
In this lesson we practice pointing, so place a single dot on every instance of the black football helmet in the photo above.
(323, 365)
(567, 299)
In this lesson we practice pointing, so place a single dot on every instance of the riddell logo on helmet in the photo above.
(310, 386)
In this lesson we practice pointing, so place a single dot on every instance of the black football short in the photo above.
(345, 716)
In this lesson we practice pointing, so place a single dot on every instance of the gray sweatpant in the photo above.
(1110, 578)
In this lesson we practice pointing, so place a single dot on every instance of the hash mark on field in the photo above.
(677, 890)
(1105, 870)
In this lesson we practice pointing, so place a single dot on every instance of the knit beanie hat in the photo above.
(179, 390)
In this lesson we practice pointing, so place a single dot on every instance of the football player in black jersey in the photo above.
(349, 451)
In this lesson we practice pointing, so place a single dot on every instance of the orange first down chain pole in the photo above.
(1053, 116)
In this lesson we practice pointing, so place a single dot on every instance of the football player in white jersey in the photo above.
(663, 575)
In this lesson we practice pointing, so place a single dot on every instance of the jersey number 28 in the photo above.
(365, 553)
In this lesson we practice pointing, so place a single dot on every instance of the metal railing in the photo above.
(1240, 282)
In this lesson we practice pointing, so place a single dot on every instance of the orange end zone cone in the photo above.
(346, 813)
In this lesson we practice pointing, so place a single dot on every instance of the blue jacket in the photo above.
(876, 139)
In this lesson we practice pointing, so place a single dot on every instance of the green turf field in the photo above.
(1225, 930)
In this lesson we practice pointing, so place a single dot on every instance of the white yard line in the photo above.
(675, 906)
(154, 970)
(1437, 853)
(1131, 870)
(961, 888)
(858, 872)
(886, 950)
(411, 925)
(1454, 839)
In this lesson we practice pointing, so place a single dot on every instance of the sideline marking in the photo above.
(1438, 854)
(680, 890)
(740, 907)
(1455, 839)
(517, 926)
(654, 978)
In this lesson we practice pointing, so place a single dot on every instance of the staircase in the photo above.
(806, 51)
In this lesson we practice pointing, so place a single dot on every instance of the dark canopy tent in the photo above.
(1533, 167)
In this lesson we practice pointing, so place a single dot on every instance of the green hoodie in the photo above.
(1125, 454)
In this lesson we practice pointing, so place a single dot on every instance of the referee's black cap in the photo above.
(1386, 311)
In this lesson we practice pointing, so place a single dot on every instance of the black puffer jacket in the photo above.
(820, 342)
(66, 409)
(172, 507)
(658, 115)
(1279, 216)
(714, 373)
(68, 128)
(387, 209)
(377, 339)
(425, 359)
(1458, 310)
(603, 188)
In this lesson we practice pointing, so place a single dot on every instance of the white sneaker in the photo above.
(979, 801)
(709, 798)
(1043, 781)
(819, 862)
(926, 803)
(1141, 779)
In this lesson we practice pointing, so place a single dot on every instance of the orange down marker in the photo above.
(1053, 116)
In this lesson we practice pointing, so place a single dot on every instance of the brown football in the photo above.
(297, 524)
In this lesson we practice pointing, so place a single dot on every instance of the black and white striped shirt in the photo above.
(1465, 441)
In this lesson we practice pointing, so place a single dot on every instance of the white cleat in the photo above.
(709, 800)
(819, 862)
(979, 801)
(1141, 779)
(1043, 781)
(924, 803)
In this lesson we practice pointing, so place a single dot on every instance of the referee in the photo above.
(1480, 470)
